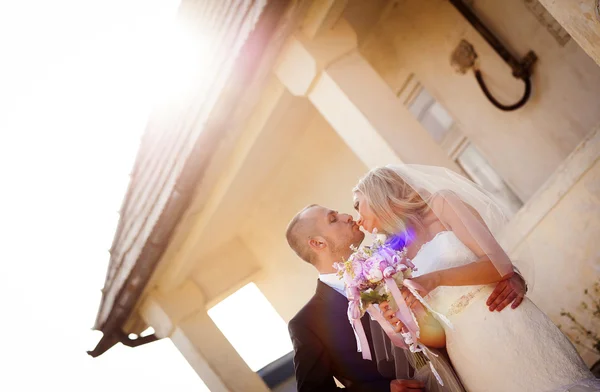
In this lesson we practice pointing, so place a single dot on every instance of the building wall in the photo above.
(319, 169)
(564, 242)
(580, 19)
(525, 147)
(418, 37)
(215, 272)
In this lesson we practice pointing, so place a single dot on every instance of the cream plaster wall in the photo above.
(526, 147)
(419, 36)
(319, 169)
(566, 251)
(221, 272)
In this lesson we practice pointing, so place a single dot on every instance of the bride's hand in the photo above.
(410, 299)
(507, 291)
(390, 316)
(432, 332)
(427, 283)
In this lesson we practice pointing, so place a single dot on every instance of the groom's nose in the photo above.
(346, 218)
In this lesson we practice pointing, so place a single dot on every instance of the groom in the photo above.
(324, 342)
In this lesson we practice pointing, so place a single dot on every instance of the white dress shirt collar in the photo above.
(333, 281)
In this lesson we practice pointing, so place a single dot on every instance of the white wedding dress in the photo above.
(512, 350)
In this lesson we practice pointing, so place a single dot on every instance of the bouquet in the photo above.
(374, 274)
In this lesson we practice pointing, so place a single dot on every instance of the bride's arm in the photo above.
(483, 271)
(480, 272)
(431, 332)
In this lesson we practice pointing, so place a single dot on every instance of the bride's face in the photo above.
(366, 218)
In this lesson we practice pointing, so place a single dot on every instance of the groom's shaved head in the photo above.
(322, 236)
(299, 230)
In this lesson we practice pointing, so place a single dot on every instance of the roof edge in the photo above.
(272, 23)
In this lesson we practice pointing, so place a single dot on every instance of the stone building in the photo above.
(300, 99)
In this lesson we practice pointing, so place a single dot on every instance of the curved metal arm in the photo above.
(465, 56)
(494, 101)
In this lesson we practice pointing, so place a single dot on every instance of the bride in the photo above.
(452, 223)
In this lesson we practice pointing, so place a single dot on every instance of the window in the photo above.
(481, 173)
(252, 326)
(431, 115)
(445, 131)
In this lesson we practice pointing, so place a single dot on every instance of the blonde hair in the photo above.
(395, 203)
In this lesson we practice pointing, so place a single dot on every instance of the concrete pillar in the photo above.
(330, 71)
(321, 16)
(581, 20)
(181, 316)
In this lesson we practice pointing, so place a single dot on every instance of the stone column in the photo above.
(181, 316)
(330, 71)
(581, 20)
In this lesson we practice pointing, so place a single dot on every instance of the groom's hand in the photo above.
(507, 291)
(407, 386)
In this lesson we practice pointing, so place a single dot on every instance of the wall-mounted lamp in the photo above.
(464, 58)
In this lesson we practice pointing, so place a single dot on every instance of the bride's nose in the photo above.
(359, 220)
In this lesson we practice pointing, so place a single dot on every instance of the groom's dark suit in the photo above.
(325, 347)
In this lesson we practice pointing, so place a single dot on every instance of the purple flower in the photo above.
(401, 240)
(389, 272)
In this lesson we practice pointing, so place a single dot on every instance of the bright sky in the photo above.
(268, 331)
(77, 80)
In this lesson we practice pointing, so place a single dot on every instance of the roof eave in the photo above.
(273, 23)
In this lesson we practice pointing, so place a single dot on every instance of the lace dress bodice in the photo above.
(512, 350)
(445, 251)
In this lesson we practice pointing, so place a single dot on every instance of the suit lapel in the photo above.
(337, 304)
(335, 301)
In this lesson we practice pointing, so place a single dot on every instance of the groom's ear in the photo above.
(317, 243)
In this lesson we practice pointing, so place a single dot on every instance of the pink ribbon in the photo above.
(403, 314)
(361, 339)
(395, 337)
(414, 289)
(433, 369)
(413, 285)
(354, 317)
